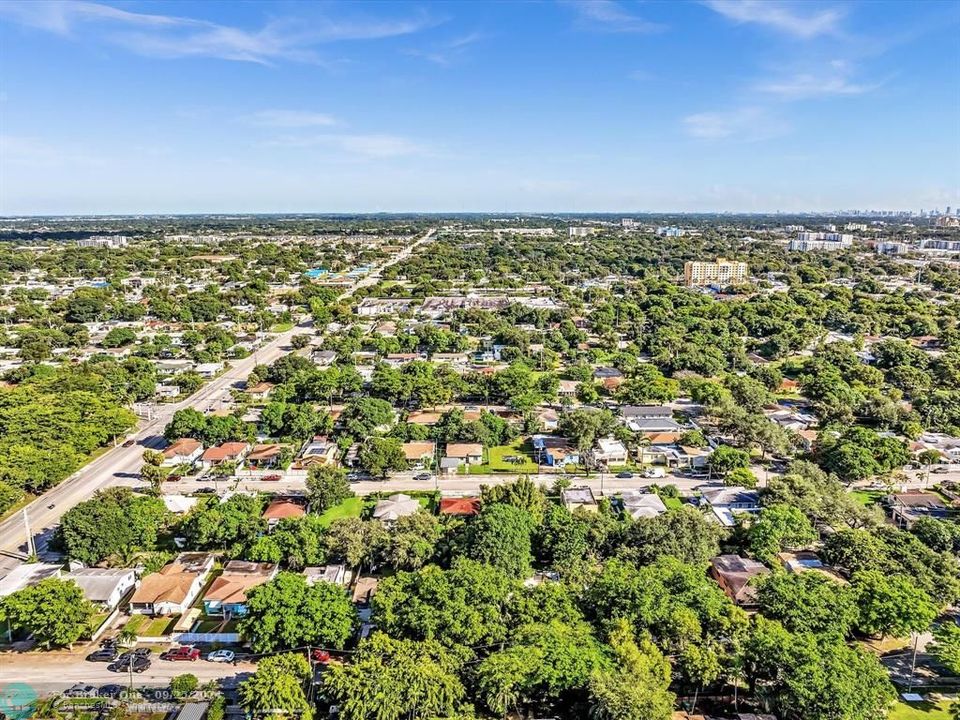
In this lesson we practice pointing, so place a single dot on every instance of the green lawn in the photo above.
(672, 503)
(867, 497)
(937, 710)
(281, 327)
(351, 507)
(496, 462)
(145, 626)
(211, 624)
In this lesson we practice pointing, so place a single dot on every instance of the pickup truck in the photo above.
(181, 653)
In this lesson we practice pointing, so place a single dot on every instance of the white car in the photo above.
(654, 473)
(222, 656)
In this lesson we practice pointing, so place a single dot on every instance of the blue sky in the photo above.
(741, 105)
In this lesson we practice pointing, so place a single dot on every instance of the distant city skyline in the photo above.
(578, 106)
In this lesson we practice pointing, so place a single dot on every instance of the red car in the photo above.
(270, 478)
(320, 656)
(181, 653)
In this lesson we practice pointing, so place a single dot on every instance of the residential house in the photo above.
(419, 455)
(553, 451)
(449, 466)
(638, 504)
(259, 392)
(908, 507)
(173, 589)
(609, 451)
(568, 388)
(394, 507)
(734, 574)
(466, 453)
(463, 506)
(184, 451)
(604, 373)
(27, 575)
(318, 451)
(578, 497)
(727, 502)
(104, 587)
(807, 561)
(228, 452)
(208, 370)
(333, 574)
(179, 504)
(549, 419)
(401, 359)
(227, 594)
(262, 457)
(282, 508)
(650, 419)
(324, 358)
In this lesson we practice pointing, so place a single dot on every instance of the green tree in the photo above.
(396, 679)
(183, 685)
(53, 611)
(726, 458)
(277, 687)
(891, 605)
(946, 645)
(381, 455)
(287, 612)
(413, 541)
(808, 602)
(501, 536)
(357, 542)
(778, 528)
(637, 686)
(684, 533)
(326, 487)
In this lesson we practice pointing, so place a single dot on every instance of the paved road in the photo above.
(54, 672)
(121, 465)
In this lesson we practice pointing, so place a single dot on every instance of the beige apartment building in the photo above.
(721, 272)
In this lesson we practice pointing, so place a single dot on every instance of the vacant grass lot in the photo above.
(351, 507)
(152, 627)
(496, 461)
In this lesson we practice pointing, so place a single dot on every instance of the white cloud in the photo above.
(290, 118)
(782, 16)
(610, 16)
(805, 85)
(446, 53)
(745, 124)
(171, 37)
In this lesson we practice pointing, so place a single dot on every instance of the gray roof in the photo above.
(652, 424)
(193, 711)
(646, 411)
(98, 584)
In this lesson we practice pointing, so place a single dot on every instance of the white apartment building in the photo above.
(807, 241)
(104, 241)
(722, 272)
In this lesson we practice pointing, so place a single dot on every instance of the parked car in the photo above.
(80, 690)
(173, 478)
(423, 476)
(222, 656)
(654, 473)
(625, 475)
(181, 653)
(130, 443)
(320, 656)
(940, 470)
(110, 691)
(270, 478)
(125, 662)
(104, 654)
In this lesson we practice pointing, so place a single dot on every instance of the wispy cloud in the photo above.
(610, 16)
(170, 36)
(748, 124)
(368, 146)
(796, 20)
(833, 79)
(35, 152)
(290, 119)
(446, 53)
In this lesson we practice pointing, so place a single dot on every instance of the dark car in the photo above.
(940, 470)
(625, 475)
(138, 663)
(80, 690)
(205, 491)
(106, 654)
(173, 478)
(110, 691)
(130, 443)
(423, 476)
(181, 653)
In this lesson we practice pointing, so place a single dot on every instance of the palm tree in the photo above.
(928, 457)
(642, 442)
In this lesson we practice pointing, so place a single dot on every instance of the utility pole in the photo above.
(31, 548)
